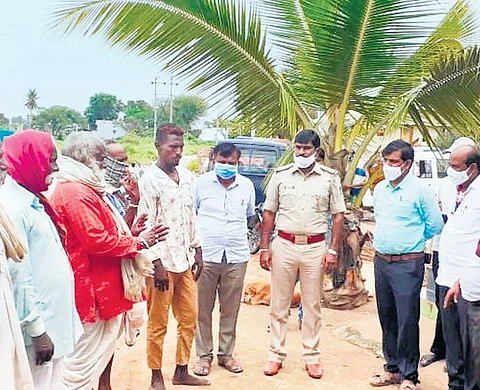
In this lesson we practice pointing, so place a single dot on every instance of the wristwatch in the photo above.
(332, 252)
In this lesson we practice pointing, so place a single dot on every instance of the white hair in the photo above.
(82, 146)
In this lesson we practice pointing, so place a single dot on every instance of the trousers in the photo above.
(182, 298)
(290, 260)
(397, 286)
(226, 281)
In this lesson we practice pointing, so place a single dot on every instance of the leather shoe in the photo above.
(272, 368)
(315, 371)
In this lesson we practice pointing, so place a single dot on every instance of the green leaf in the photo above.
(220, 44)
(450, 95)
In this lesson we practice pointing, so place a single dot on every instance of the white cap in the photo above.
(462, 141)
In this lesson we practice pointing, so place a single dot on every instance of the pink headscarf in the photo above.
(28, 156)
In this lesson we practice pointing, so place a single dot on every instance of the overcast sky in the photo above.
(66, 71)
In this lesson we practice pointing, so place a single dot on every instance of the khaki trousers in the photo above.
(227, 280)
(182, 297)
(289, 262)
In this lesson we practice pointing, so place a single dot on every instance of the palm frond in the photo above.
(459, 25)
(346, 45)
(219, 43)
(450, 96)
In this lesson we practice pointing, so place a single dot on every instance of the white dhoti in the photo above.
(14, 367)
(83, 368)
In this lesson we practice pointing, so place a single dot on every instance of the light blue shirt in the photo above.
(113, 198)
(43, 282)
(222, 217)
(405, 216)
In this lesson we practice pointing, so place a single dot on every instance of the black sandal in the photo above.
(426, 360)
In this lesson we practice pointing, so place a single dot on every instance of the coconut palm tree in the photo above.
(361, 66)
(32, 102)
(349, 68)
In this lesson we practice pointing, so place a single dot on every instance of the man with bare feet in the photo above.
(166, 195)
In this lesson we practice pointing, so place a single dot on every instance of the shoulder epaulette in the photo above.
(284, 167)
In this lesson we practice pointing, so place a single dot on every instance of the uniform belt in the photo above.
(301, 239)
(401, 257)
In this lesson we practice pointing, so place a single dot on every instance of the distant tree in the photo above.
(18, 122)
(103, 106)
(32, 101)
(236, 127)
(4, 122)
(186, 110)
(59, 120)
(138, 116)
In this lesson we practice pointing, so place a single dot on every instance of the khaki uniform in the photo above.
(302, 204)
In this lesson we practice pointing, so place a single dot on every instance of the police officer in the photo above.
(300, 196)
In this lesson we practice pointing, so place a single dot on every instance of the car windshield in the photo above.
(257, 160)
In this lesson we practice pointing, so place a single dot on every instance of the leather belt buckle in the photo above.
(301, 240)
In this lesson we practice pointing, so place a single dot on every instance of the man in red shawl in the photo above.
(43, 282)
(99, 247)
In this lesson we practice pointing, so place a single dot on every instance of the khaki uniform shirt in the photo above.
(303, 202)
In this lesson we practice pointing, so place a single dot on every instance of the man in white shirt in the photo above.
(446, 195)
(223, 200)
(460, 266)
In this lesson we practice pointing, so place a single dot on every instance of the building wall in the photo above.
(109, 130)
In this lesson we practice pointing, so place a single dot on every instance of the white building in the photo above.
(109, 129)
(213, 134)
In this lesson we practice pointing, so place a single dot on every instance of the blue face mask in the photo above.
(225, 171)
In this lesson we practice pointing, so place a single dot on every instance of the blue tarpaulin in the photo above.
(5, 133)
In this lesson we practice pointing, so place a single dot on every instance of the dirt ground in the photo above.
(349, 342)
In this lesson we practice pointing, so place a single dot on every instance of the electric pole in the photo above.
(154, 82)
(171, 97)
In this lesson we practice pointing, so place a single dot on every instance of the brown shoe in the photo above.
(272, 368)
(315, 371)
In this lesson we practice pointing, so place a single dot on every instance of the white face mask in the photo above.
(391, 173)
(304, 162)
(456, 177)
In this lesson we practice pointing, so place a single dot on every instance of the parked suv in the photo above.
(259, 156)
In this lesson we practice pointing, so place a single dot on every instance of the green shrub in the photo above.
(194, 166)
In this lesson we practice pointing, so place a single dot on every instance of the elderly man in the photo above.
(16, 373)
(407, 215)
(122, 188)
(300, 197)
(122, 191)
(166, 197)
(97, 244)
(458, 260)
(446, 270)
(223, 200)
(43, 282)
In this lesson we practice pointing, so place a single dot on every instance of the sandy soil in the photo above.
(349, 340)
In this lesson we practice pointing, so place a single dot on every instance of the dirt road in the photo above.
(349, 340)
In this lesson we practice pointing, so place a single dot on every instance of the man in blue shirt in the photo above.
(223, 200)
(406, 215)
